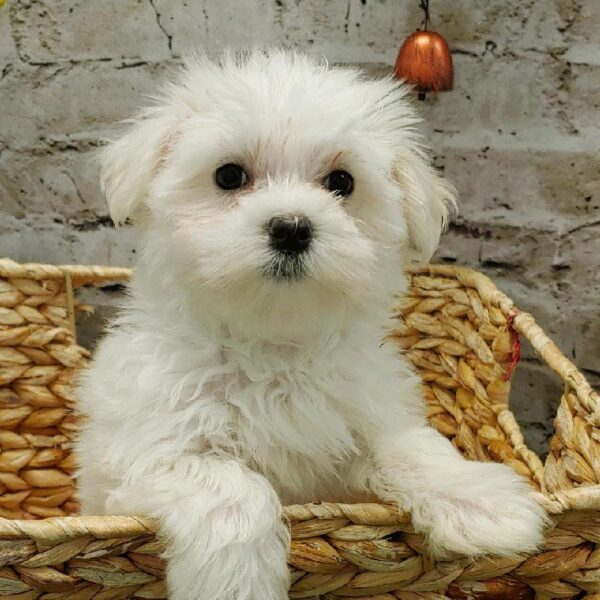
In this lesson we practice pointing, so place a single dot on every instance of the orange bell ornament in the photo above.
(425, 60)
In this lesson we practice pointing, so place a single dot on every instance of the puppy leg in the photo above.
(470, 508)
(223, 529)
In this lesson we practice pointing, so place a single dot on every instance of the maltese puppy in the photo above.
(279, 200)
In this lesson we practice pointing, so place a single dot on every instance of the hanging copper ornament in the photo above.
(425, 59)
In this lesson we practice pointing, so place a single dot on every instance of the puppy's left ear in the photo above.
(429, 201)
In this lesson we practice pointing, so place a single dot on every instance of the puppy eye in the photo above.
(231, 177)
(340, 183)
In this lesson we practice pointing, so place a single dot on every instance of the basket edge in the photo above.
(58, 529)
(524, 324)
(11, 269)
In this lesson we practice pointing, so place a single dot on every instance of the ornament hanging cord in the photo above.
(424, 5)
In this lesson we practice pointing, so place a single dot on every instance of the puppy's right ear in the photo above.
(130, 163)
(429, 200)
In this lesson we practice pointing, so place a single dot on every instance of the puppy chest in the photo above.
(283, 411)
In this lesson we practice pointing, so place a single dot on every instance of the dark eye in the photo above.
(231, 177)
(339, 182)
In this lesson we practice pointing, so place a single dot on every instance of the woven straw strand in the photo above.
(10, 269)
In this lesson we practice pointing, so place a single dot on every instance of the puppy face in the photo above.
(278, 186)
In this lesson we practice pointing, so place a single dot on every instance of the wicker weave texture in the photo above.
(459, 331)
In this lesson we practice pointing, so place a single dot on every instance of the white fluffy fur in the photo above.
(222, 393)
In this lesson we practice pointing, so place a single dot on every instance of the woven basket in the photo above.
(459, 331)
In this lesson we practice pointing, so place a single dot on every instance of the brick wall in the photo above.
(519, 135)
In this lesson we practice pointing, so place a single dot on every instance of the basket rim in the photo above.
(11, 269)
(524, 324)
(59, 529)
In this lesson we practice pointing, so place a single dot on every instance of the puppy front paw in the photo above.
(485, 509)
(254, 571)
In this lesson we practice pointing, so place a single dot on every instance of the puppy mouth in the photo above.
(286, 267)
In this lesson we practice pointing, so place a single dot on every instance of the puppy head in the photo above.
(278, 189)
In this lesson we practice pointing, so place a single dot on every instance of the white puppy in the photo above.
(279, 200)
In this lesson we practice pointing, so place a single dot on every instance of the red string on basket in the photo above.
(516, 346)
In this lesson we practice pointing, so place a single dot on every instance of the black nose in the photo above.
(290, 234)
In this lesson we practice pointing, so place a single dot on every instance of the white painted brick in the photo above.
(64, 185)
(523, 187)
(583, 54)
(8, 50)
(343, 30)
(581, 20)
(69, 99)
(42, 240)
(80, 30)
(506, 93)
(581, 101)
